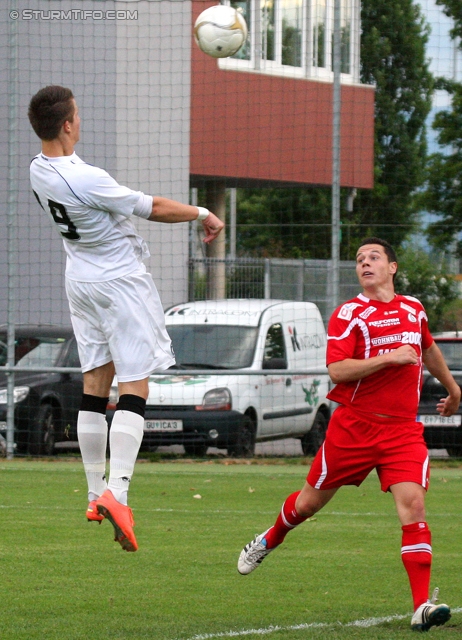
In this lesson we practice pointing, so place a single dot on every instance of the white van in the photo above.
(284, 343)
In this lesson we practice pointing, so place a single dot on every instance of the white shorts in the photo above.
(120, 320)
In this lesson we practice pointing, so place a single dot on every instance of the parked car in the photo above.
(46, 404)
(235, 411)
(442, 432)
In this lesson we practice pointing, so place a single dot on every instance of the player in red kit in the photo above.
(376, 345)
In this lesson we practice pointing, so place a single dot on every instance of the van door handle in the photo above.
(288, 382)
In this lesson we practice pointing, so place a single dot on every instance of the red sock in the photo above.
(416, 554)
(286, 521)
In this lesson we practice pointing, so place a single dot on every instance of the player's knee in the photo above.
(311, 500)
(415, 510)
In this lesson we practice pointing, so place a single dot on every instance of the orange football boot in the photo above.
(121, 518)
(92, 513)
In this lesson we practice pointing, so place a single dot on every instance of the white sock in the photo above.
(125, 439)
(92, 436)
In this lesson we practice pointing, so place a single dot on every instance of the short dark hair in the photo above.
(391, 255)
(49, 109)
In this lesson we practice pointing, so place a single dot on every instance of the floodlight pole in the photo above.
(335, 240)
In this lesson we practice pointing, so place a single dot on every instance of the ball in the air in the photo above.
(220, 31)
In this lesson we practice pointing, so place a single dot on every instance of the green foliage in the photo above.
(421, 276)
(284, 223)
(65, 578)
(293, 223)
(452, 8)
(443, 194)
(393, 56)
(452, 318)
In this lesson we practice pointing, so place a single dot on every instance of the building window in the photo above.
(244, 7)
(295, 38)
(319, 33)
(291, 32)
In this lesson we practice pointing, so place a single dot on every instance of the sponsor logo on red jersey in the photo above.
(346, 311)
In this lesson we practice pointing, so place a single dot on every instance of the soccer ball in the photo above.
(220, 31)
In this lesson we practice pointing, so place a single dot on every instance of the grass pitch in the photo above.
(63, 577)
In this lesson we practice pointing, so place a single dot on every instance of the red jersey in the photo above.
(363, 328)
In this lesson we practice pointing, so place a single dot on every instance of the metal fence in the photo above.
(273, 278)
(301, 280)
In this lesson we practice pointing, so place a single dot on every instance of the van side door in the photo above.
(274, 386)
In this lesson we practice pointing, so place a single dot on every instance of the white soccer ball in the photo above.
(220, 31)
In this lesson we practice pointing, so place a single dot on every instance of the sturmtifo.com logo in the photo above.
(73, 14)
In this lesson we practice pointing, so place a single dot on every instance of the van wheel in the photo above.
(195, 449)
(312, 441)
(244, 447)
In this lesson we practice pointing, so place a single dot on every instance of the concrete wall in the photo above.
(131, 79)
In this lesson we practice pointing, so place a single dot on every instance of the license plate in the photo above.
(440, 421)
(163, 426)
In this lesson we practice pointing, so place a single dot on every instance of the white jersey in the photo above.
(92, 213)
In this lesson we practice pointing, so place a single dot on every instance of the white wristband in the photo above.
(203, 213)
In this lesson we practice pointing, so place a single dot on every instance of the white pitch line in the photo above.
(364, 623)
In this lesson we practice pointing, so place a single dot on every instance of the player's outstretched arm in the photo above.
(350, 369)
(171, 211)
(435, 363)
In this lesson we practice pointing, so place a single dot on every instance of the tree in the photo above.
(443, 194)
(452, 10)
(421, 276)
(393, 55)
(393, 58)
(285, 223)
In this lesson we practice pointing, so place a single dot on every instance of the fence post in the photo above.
(12, 216)
(267, 281)
(337, 105)
(232, 222)
(216, 280)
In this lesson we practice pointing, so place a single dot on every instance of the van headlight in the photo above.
(216, 400)
(19, 394)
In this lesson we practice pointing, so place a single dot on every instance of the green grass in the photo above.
(65, 578)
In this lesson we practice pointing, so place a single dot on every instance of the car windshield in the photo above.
(22, 346)
(213, 346)
(44, 354)
(452, 352)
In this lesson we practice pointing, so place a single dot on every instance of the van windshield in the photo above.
(213, 346)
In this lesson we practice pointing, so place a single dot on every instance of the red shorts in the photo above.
(356, 444)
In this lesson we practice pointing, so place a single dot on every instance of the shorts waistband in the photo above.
(364, 415)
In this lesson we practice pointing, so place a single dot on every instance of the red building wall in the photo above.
(248, 126)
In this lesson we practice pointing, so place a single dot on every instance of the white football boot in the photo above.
(253, 554)
(430, 614)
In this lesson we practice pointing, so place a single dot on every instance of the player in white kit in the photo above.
(116, 311)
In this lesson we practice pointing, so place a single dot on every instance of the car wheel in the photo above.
(312, 441)
(244, 447)
(196, 449)
(43, 438)
(454, 451)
